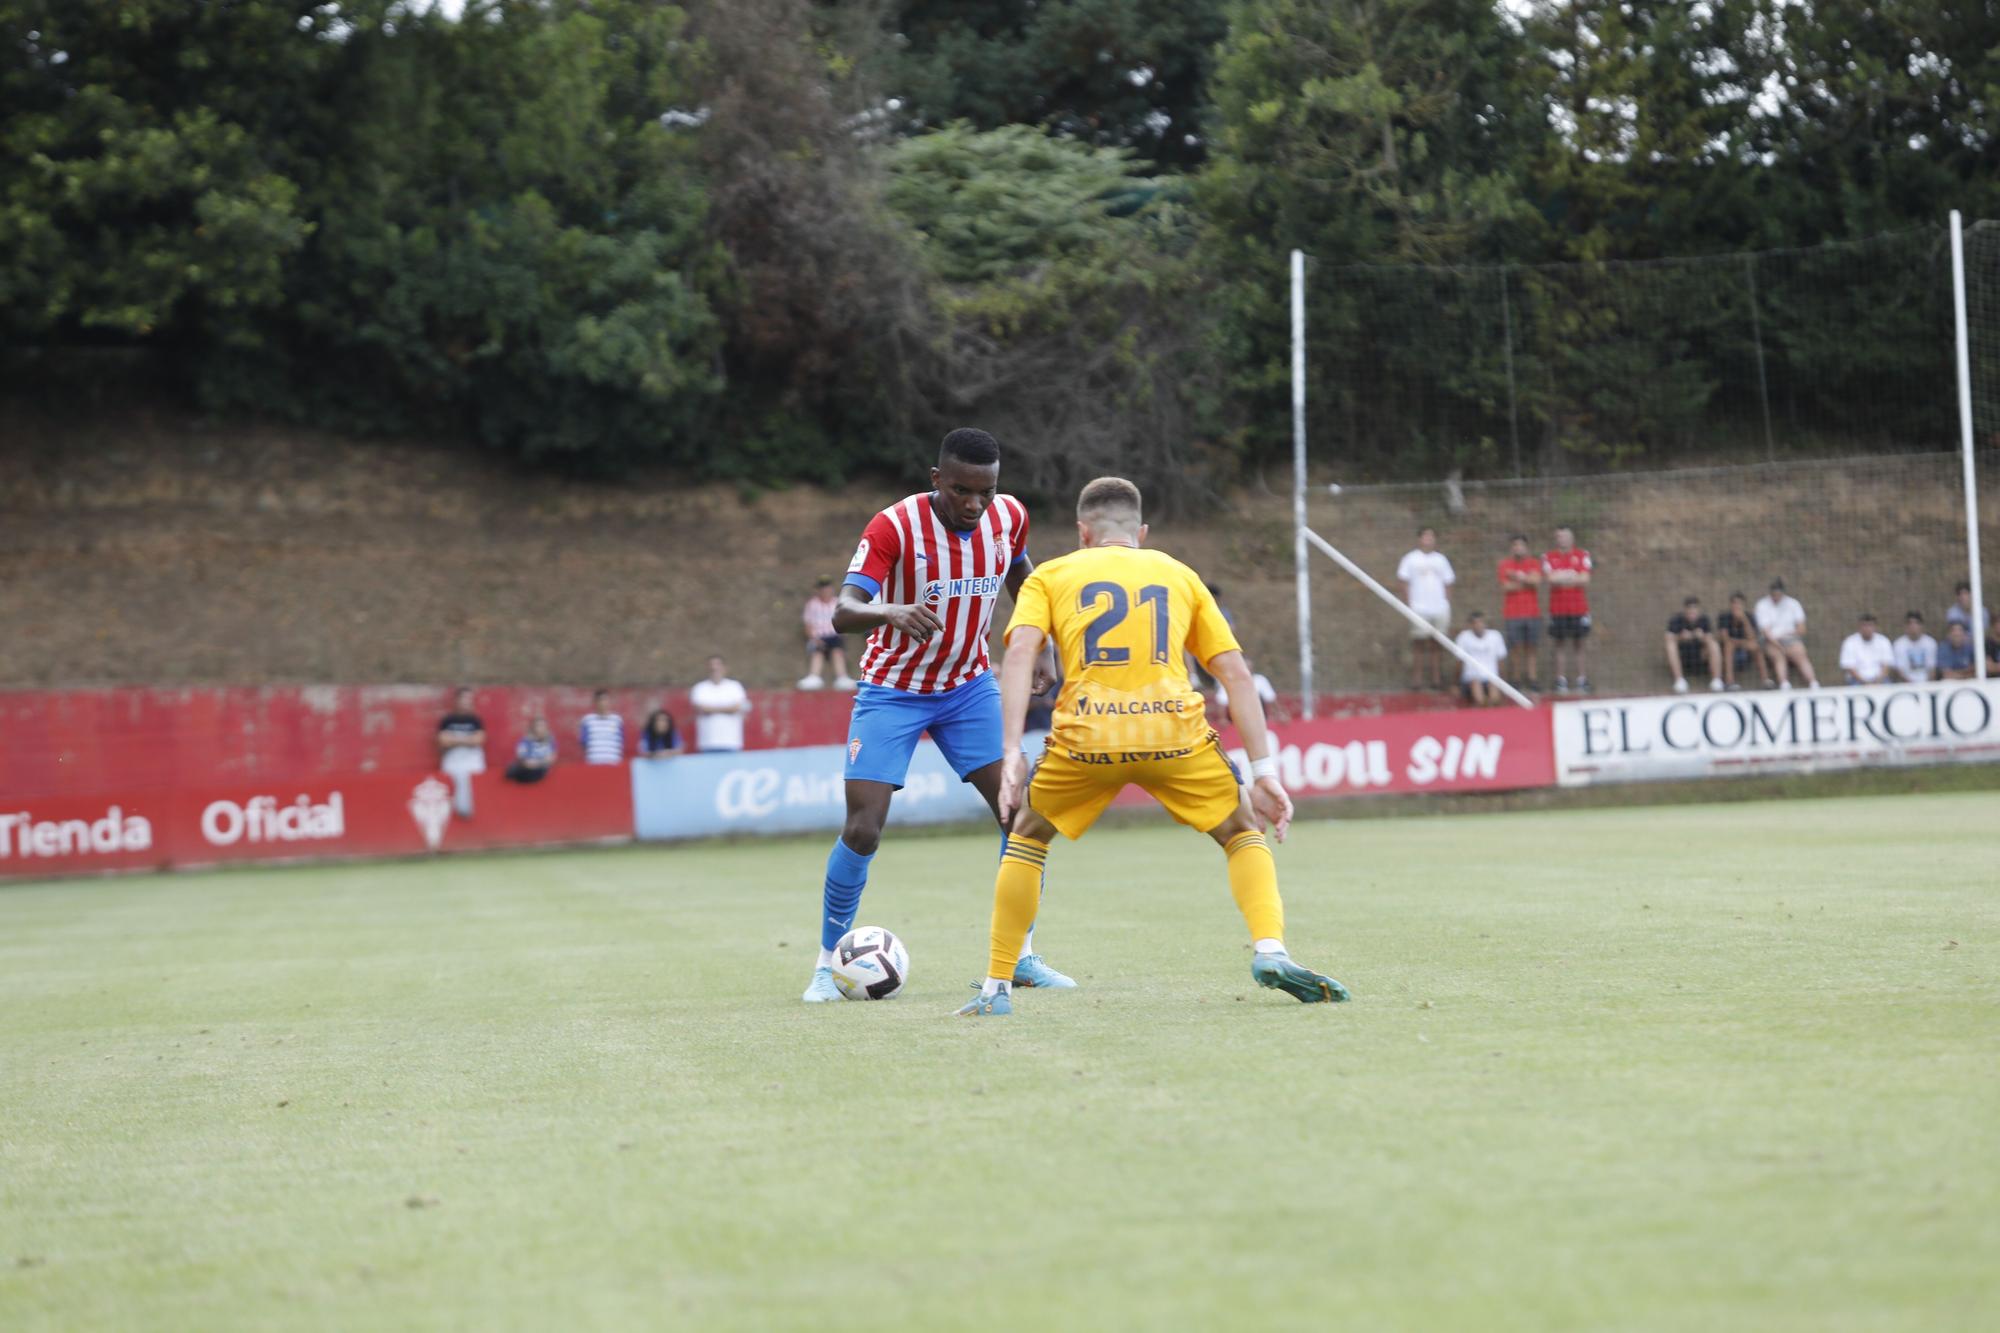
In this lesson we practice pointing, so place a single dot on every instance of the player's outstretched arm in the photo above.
(1017, 682)
(1267, 795)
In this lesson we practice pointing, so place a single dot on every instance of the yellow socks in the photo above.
(1017, 897)
(1253, 879)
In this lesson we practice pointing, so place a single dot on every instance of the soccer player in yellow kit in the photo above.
(1123, 619)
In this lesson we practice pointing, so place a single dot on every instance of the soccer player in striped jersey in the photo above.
(1125, 619)
(923, 583)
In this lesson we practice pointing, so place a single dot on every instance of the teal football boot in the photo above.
(1035, 974)
(982, 1006)
(822, 989)
(1279, 972)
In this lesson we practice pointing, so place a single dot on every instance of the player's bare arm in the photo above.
(1017, 672)
(1267, 795)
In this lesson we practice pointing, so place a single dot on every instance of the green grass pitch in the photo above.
(1722, 1067)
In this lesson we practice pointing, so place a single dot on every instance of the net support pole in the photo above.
(1978, 626)
(1301, 566)
(1402, 609)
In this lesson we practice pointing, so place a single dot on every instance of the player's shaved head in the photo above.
(968, 445)
(1108, 499)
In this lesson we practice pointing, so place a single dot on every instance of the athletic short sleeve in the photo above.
(1021, 535)
(1209, 635)
(1032, 608)
(881, 547)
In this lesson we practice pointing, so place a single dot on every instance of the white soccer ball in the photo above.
(869, 963)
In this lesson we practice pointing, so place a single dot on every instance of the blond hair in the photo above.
(1108, 497)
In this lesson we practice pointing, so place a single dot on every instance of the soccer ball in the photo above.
(869, 963)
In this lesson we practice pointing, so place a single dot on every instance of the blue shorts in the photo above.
(883, 734)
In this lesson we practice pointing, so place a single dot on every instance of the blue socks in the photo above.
(846, 877)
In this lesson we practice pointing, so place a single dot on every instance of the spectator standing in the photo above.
(1960, 610)
(1954, 661)
(534, 753)
(1196, 672)
(1521, 612)
(719, 703)
(659, 738)
(1916, 651)
(825, 649)
(1567, 569)
(1993, 642)
(1866, 656)
(1427, 577)
(602, 732)
(1487, 648)
(1781, 626)
(1691, 647)
(1736, 638)
(1267, 694)
(461, 743)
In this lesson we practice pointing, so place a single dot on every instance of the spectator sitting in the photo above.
(1960, 610)
(1427, 576)
(659, 738)
(1954, 658)
(1487, 648)
(1867, 658)
(461, 743)
(534, 753)
(719, 704)
(1916, 651)
(1521, 612)
(824, 646)
(1267, 694)
(1736, 637)
(602, 732)
(1781, 622)
(1691, 647)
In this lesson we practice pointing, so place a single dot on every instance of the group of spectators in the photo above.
(1761, 644)
(1771, 641)
(1511, 653)
(719, 703)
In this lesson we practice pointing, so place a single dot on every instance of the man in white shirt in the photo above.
(1427, 578)
(1781, 625)
(1487, 648)
(1916, 651)
(1267, 694)
(1867, 658)
(719, 704)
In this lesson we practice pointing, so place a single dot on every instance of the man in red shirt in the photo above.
(1567, 569)
(1521, 613)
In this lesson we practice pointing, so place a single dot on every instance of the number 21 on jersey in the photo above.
(1116, 602)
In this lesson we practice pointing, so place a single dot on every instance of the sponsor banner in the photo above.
(368, 814)
(787, 791)
(1787, 731)
(1466, 749)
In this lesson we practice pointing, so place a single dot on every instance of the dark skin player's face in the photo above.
(963, 490)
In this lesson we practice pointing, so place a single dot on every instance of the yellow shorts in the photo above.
(1199, 787)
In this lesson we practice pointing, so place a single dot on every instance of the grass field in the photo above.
(1723, 1067)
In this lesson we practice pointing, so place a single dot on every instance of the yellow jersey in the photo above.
(1123, 620)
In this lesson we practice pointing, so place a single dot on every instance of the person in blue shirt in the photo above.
(534, 753)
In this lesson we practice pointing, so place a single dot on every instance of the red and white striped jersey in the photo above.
(908, 554)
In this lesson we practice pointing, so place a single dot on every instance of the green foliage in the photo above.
(1068, 300)
(1119, 73)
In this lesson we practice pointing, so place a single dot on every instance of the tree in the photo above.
(1116, 73)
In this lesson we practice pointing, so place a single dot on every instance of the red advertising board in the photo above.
(1466, 749)
(366, 814)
